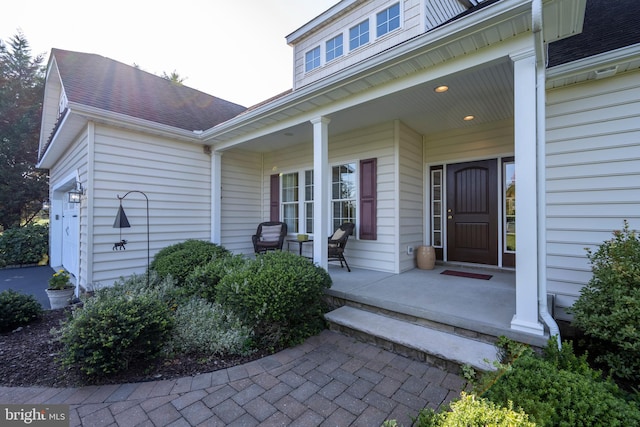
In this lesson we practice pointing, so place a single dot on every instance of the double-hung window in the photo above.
(289, 200)
(312, 59)
(343, 194)
(388, 20)
(334, 48)
(359, 35)
(308, 201)
(296, 201)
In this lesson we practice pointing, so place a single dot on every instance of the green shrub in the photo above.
(608, 309)
(114, 328)
(203, 281)
(24, 245)
(559, 389)
(471, 411)
(181, 259)
(281, 294)
(17, 309)
(204, 327)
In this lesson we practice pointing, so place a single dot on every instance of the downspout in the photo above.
(538, 36)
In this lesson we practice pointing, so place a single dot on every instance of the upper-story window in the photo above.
(312, 59)
(359, 35)
(388, 20)
(334, 48)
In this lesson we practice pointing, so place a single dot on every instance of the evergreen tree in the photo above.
(22, 187)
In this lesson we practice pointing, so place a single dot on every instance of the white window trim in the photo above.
(356, 234)
(375, 19)
(302, 182)
(321, 50)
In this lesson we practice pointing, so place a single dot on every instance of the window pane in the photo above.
(312, 59)
(308, 185)
(343, 193)
(309, 217)
(388, 20)
(510, 206)
(290, 217)
(334, 48)
(359, 35)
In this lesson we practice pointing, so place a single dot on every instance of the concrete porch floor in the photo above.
(483, 306)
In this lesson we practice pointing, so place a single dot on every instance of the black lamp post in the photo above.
(121, 222)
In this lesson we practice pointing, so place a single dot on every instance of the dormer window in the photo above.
(388, 20)
(334, 48)
(359, 35)
(312, 59)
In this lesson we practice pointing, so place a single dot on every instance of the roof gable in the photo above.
(608, 25)
(103, 83)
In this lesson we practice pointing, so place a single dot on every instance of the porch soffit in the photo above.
(356, 96)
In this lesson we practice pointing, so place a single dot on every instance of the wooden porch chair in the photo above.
(269, 236)
(338, 242)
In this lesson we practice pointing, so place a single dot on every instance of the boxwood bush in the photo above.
(181, 259)
(116, 327)
(608, 309)
(17, 309)
(203, 280)
(280, 294)
(24, 245)
(560, 389)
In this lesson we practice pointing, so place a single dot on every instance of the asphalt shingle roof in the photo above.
(608, 25)
(103, 83)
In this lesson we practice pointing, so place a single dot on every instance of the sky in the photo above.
(233, 49)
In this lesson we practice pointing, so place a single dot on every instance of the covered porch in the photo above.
(471, 307)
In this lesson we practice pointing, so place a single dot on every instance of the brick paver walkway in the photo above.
(330, 380)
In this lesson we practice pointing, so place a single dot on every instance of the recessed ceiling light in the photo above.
(441, 89)
(469, 118)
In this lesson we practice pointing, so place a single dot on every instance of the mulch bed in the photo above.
(28, 357)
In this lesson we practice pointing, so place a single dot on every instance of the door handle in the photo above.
(450, 217)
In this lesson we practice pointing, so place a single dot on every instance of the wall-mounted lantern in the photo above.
(76, 193)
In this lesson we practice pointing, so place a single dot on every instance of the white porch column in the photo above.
(526, 316)
(216, 197)
(320, 190)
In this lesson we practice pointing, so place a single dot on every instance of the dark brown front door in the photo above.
(472, 212)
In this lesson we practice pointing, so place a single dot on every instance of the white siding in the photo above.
(72, 162)
(411, 194)
(176, 178)
(593, 175)
(242, 199)
(410, 26)
(472, 143)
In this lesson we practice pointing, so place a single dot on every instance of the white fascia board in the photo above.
(428, 41)
(319, 20)
(594, 63)
(98, 115)
(133, 123)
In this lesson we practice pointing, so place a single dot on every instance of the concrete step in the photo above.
(441, 348)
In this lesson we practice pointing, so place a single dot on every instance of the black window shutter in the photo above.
(274, 204)
(368, 202)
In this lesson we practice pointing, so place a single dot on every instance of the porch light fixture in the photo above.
(122, 221)
(441, 89)
(76, 193)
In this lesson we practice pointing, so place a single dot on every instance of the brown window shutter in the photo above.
(368, 202)
(274, 204)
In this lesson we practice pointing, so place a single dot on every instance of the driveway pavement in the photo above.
(28, 280)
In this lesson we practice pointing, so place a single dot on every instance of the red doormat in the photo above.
(468, 275)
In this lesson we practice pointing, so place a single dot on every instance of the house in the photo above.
(411, 118)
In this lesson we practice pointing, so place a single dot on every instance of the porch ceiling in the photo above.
(484, 92)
